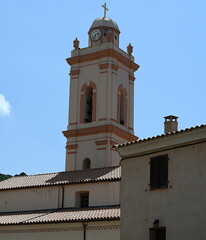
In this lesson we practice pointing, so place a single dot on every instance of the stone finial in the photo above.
(76, 43)
(129, 49)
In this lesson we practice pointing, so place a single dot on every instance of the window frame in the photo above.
(84, 200)
(78, 199)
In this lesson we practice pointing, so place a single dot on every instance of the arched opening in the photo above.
(88, 104)
(122, 106)
(86, 163)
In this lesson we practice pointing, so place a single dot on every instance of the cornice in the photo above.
(103, 54)
(98, 130)
(162, 143)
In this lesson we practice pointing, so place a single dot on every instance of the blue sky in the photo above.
(37, 36)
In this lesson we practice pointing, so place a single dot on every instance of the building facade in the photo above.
(162, 187)
(76, 205)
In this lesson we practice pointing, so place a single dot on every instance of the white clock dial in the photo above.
(96, 34)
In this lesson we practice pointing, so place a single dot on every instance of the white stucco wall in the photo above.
(29, 199)
(181, 208)
(100, 194)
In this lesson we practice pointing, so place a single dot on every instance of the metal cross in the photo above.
(105, 9)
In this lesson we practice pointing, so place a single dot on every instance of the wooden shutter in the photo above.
(154, 173)
(159, 171)
(163, 171)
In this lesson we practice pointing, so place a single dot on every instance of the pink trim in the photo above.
(71, 152)
(115, 67)
(104, 65)
(72, 146)
(131, 77)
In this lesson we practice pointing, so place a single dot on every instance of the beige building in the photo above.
(163, 192)
(82, 202)
(75, 205)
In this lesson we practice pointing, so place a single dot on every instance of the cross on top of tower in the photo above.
(105, 9)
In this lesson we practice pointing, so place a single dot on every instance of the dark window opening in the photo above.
(157, 233)
(84, 200)
(159, 172)
(86, 163)
(122, 122)
(122, 108)
(88, 105)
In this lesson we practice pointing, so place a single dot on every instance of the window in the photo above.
(157, 233)
(82, 199)
(159, 172)
(86, 163)
(88, 105)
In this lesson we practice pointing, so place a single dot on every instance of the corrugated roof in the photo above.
(160, 136)
(94, 214)
(59, 178)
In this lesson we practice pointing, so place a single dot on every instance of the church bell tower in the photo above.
(101, 105)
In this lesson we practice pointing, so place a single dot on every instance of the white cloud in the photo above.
(4, 106)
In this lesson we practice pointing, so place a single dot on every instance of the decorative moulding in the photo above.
(104, 66)
(74, 72)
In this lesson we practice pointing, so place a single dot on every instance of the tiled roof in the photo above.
(94, 214)
(161, 136)
(70, 177)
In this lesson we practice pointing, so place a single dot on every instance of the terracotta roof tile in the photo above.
(94, 214)
(59, 178)
(160, 136)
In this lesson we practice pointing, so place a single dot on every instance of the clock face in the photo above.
(96, 34)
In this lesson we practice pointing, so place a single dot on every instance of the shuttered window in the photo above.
(159, 172)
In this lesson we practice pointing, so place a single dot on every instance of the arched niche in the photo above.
(86, 164)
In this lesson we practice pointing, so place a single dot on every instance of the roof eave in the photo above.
(162, 143)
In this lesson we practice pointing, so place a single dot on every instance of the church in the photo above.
(84, 201)
(162, 192)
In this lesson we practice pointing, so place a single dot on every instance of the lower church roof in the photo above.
(62, 178)
(60, 216)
